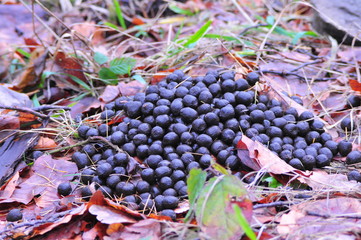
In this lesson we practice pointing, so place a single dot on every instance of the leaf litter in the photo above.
(194, 43)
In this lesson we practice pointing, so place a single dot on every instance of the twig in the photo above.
(25, 109)
(272, 204)
(307, 64)
(50, 107)
(331, 216)
(284, 73)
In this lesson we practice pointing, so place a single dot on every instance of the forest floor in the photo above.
(63, 61)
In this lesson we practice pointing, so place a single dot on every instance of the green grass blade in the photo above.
(198, 35)
(80, 82)
(35, 101)
(179, 10)
(111, 25)
(119, 13)
(243, 222)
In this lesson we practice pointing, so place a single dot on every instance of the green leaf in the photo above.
(270, 20)
(198, 35)
(243, 222)
(300, 35)
(106, 73)
(272, 182)
(23, 52)
(111, 25)
(214, 207)
(122, 66)
(80, 82)
(35, 101)
(195, 183)
(119, 13)
(220, 168)
(139, 78)
(227, 38)
(179, 10)
(100, 58)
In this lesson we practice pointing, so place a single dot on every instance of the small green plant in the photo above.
(216, 205)
(117, 66)
(271, 181)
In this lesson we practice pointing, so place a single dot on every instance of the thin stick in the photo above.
(25, 109)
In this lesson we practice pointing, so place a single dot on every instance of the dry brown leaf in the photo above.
(321, 180)
(321, 218)
(46, 174)
(144, 229)
(8, 121)
(108, 215)
(45, 143)
(257, 156)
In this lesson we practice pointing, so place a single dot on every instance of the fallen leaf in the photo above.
(214, 207)
(11, 153)
(131, 88)
(8, 121)
(32, 75)
(355, 85)
(110, 93)
(145, 229)
(45, 143)
(321, 180)
(257, 156)
(71, 66)
(322, 218)
(46, 174)
(11, 98)
(109, 215)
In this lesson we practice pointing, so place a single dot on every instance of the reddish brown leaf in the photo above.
(31, 76)
(8, 121)
(45, 143)
(131, 88)
(355, 85)
(31, 43)
(46, 174)
(70, 66)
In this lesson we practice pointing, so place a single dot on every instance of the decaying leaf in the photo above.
(214, 208)
(144, 229)
(110, 215)
(327, 217)
(256, 156)
(11, 153)
(46, 174)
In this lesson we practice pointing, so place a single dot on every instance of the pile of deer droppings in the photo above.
(183, 123)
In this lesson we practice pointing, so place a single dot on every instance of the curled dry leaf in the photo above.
(317, 219)
(257, 156)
